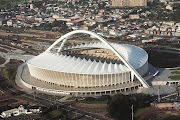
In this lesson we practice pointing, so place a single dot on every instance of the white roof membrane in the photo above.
(62, 63)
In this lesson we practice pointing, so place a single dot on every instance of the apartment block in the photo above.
(128, 3)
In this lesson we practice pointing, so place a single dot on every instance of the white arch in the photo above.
(133, 71)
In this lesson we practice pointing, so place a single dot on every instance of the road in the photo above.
(69, 109)
(175, 97)
(46, 102)
(17, 57)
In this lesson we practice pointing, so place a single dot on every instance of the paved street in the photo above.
(69, 109)
(24, 117)
(14, 56)
(171, 98)
(42, 101)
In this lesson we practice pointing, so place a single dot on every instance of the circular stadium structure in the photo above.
(88, 69)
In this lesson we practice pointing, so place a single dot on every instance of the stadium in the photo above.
(87, 69)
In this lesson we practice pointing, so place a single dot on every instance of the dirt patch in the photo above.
(14, 62)
(2, 60)
(3, 50)
(172, 113)
(99, 109)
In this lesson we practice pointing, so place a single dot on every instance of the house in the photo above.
(34, 109)
(9, 23)
(20, 111)
(14, 112)
(176, 105)
(169, 7)
(134, 16)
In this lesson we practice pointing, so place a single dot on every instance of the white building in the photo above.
(19, 111)
(89, 75)
(31, 6)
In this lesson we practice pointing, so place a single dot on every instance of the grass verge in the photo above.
(175, 77)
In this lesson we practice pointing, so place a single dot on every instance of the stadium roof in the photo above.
(62, 63)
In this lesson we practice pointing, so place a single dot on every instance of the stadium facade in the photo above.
(88, 69)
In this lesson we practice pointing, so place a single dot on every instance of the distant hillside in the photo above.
(4, 3)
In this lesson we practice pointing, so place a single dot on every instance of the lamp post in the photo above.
(34, 89)
(159, 99)
(132, 111)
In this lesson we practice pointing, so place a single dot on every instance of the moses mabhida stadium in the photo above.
(87, 69)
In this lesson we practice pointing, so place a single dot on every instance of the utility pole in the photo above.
(132, 112)
(76, 114)
(57, 106)
(34, 92)
(158, 95)
(55, 98)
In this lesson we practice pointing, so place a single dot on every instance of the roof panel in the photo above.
(62, 63)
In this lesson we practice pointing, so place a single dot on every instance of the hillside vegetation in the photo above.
(4, 3)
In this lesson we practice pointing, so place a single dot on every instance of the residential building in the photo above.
(9, 23)
(128, 3)
(134, 16)
(20, 111)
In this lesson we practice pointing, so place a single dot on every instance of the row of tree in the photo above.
(119, 106)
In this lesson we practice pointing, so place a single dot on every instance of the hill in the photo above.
(4, 3)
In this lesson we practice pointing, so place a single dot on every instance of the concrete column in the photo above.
(80, 80)
(103, 80)
(87, 79)
(99, 80)
(67, 80)
(72, 79)
(119, 78)
(91, 81)
(76, 79)
(125, 77)
(132, 76)
(83, 81)
(95, 81)
(64, 76)
(111, 80)
(115, 79)
(122, 78)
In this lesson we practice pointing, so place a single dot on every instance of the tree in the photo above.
(119, 107)
(9, 6)
(53, 114)
(10, 73)
(143, 100)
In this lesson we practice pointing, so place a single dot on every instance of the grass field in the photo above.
(175, 72)
(174, 69)
(52, 97)
(175, 77)
(150, 113)
(142, 110)
(55, 114)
